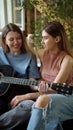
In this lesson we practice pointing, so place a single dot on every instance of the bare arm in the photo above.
(66, 68)
(19, 98)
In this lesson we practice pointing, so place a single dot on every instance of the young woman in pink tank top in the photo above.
(50, 110)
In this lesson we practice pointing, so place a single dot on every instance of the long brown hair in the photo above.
(12, 27)
(55, 28)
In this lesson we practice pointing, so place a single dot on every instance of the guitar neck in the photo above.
(60, 88)
(19, 81)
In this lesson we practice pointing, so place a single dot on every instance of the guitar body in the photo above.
(7, 70)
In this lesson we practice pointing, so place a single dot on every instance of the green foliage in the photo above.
(61, 10)
(64, 9)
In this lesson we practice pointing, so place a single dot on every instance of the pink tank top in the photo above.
(51, 66)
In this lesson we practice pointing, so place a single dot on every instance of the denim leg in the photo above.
(61, 109)
(38, 117)
(53, 125)
(16, 116)
(36, 120)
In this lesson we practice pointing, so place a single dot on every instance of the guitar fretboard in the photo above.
(19, 81)
(60, 88)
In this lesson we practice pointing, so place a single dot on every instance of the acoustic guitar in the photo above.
(7, 78)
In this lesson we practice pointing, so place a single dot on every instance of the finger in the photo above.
(47, 88)
(14, 102)
(42, 87)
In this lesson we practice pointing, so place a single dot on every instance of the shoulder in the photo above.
(41, 53)
(30, 56)
(1, 51)
(68, 60)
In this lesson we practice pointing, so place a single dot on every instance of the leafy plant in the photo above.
(61, 10)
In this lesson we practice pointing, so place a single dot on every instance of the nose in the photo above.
(42, 42)
(15, 41)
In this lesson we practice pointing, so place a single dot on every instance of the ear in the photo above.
(57, 39)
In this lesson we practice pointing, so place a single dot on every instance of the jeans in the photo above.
(16, 116)
(59, 110)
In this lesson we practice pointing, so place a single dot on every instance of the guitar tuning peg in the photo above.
(64, 83)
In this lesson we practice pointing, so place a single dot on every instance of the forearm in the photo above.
(29, 96)
(32, 95)
(36, 94)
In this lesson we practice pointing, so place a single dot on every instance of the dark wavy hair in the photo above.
(55, 28)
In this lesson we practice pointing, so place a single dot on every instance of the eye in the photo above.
(11, 39)
(19, 38)
(45, 38)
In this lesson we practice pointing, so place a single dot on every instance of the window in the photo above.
(18, 14)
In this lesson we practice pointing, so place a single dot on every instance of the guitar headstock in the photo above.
(62, 88)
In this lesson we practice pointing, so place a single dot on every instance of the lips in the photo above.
(16, 46)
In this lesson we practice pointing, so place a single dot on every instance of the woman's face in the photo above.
(49, 42)
(14, 42)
